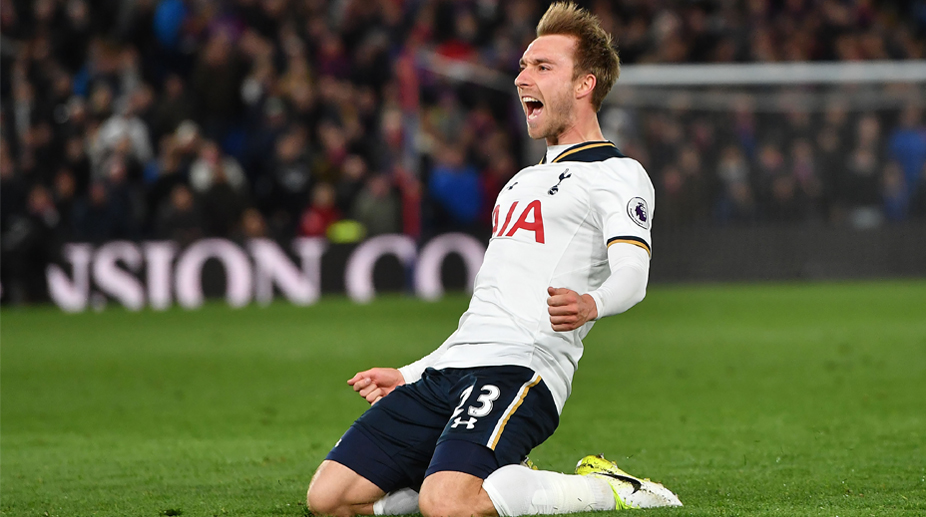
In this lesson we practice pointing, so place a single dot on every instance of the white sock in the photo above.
(400, 502)
(518, 490)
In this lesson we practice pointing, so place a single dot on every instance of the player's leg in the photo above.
(597, 485)
(453, 486)
(386, 451)
(454, 494)
(600, 485)
(512, 490)
(338, 490)
(518, 490)
(503, 413)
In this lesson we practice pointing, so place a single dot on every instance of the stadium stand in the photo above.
(181, 119)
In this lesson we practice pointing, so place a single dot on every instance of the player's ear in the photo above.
(585, 85)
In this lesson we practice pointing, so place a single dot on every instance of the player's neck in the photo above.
(586, 129)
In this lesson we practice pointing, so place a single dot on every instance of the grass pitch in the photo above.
(785, 399)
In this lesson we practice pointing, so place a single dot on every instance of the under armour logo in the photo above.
(555, 188)
(470, 424)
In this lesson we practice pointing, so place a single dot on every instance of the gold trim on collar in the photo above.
(582, 148)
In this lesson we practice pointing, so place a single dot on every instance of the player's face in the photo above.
(546, 86)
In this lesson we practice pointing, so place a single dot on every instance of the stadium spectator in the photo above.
(376, 207)
(212, 163)
(77, 161)
(736, 202)
(174, 106)
(321, 213)
(222, 204)
(284, 187)
(124, 196)
(670, 190)
(697, 187)
(163, 174)
(64, 194)
(860, 189)
(216, 84)
(268, 128)
(95, 219)
(351, 183)
(12, 187)
(894, 191)
(907, 145)
(803, 168)
(253, 225)
(180, 219)
(918, 198)
(31, 243)
(454, 186)
(128, 131)
(500, 169)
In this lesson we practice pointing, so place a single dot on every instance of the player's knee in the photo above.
(323, 501)
(324, 504)
(435, 504)
(317, 502)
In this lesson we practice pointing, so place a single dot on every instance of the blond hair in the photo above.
(594, 52)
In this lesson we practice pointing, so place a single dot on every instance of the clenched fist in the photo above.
(569, 310)
(376, 383)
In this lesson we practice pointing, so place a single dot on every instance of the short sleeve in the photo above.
(623, 198)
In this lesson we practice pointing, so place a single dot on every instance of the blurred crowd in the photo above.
(855, 168)
(179, 119)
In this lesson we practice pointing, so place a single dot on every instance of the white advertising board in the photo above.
(158, 274)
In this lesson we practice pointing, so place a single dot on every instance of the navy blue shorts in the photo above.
(471, 420)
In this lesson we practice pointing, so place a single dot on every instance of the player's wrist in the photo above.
(410, 373)
(592, 306)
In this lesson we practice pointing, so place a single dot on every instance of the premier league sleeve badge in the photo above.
(639, 212)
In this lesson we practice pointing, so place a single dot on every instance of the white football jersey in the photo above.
(552, 225)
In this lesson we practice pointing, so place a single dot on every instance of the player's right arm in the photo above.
(376, 383)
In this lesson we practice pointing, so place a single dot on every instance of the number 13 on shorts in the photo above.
(486, 407)
(482, 407)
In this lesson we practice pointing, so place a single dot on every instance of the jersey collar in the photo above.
(587, 152)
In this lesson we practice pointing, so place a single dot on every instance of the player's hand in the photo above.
(569, 310)
(376, 383)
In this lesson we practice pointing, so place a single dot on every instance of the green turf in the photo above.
(795, 399)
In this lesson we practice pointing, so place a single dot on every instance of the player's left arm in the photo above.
(622, 290)
(570, 310)
(622, 200)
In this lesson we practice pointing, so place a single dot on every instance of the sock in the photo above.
(400, 502)
(518, 490)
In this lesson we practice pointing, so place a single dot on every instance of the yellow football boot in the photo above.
(629, 491)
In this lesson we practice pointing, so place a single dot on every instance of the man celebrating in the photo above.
(570, 244)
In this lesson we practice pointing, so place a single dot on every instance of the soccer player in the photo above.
(449, 434)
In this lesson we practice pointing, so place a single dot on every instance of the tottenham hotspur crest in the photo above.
(639, 212)
(555, 188)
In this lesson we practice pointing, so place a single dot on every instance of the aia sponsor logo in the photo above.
(529, 220)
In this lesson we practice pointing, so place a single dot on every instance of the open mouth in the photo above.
(532, 107)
